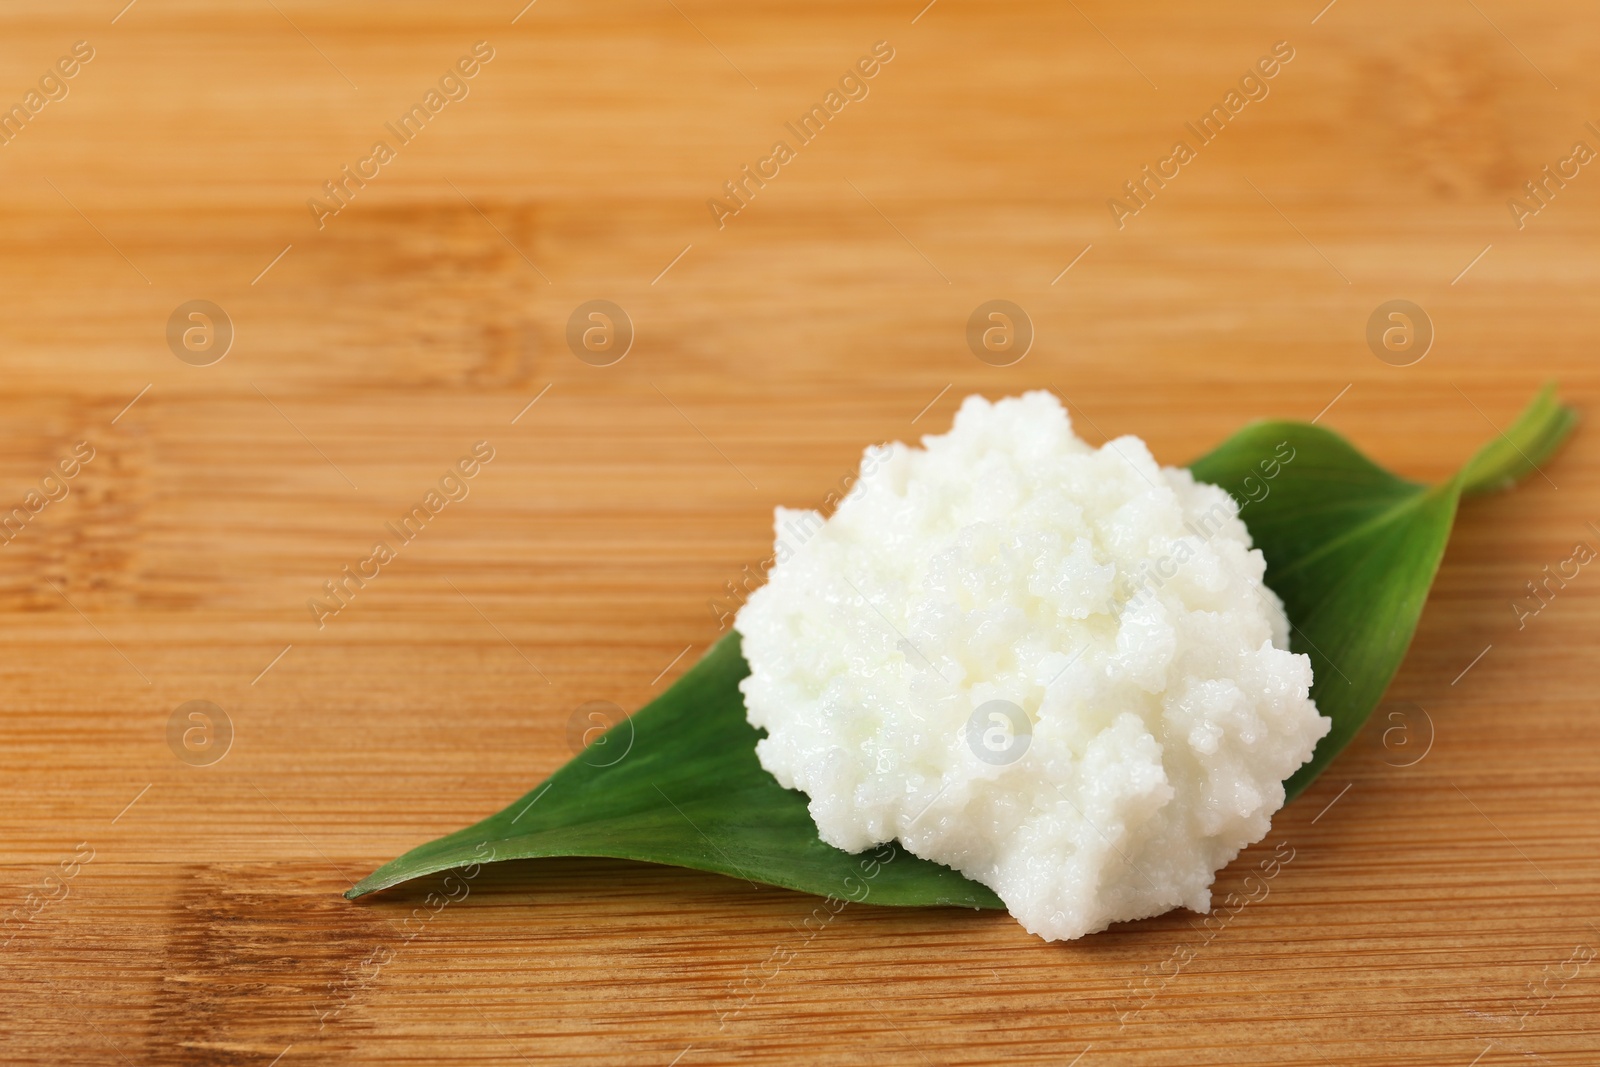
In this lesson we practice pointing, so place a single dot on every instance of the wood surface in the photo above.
(1438, 910)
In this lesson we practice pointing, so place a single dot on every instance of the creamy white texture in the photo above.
(1053, 667)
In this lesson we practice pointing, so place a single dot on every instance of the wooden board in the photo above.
(1440, 907)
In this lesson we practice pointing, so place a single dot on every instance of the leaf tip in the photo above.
(368, 885)
(1518, 451)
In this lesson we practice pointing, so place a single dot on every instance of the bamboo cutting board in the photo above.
(374, 315)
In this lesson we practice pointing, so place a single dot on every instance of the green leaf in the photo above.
(679, 783)
(1351, 549)
(1517, 453)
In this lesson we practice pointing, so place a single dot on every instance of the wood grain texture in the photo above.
(1432, 914)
